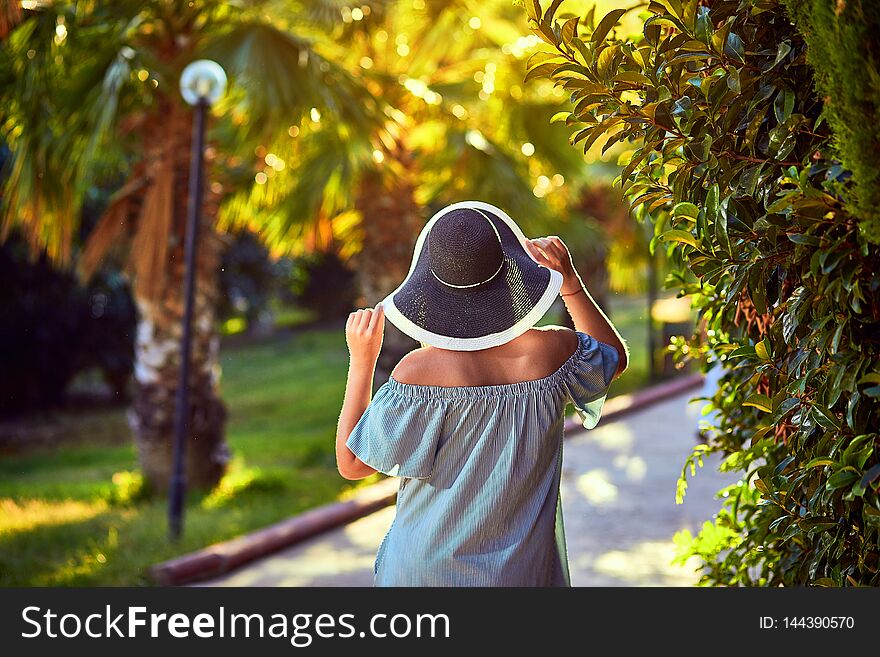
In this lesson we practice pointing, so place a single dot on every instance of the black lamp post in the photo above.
(201, 85)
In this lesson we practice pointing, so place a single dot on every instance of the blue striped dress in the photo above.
(480, 466)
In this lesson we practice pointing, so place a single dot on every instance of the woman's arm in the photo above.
(586, 314)
(364, 331)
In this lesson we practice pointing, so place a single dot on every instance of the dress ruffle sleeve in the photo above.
(589, 376)
(398, 435)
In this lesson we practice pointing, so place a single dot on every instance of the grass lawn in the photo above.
(70, 514)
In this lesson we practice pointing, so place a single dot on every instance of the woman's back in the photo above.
(535, 354)
(480, 464)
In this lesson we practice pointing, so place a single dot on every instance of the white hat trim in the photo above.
(486, 341)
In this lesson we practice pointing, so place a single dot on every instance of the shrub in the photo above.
(843, 50)
(733, 164)
(53, 328)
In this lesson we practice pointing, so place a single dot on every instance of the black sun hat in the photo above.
(472, 283)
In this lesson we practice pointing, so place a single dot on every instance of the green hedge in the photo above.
(844, 51)
(734, 166)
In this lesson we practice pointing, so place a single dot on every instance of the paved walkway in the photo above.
(618, 503)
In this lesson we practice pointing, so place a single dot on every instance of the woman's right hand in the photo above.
(551, 252)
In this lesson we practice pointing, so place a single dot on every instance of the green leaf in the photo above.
(758, 289)
(569, 29)
(542, 57)
(819, 522)
(703, 25)
(712, 205)
(606, 24)
(733, 47)
(559, 117)
(870, 476)
(542, 70)
(632, 76)
(752, 130)
(759, 401)
(679, 236)
(841, 479)
(783, 105)
(686, 209)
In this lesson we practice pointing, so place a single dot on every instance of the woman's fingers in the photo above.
(365, 320)
(376, 316)
(544, 251)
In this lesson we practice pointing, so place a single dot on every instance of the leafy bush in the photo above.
(249, 278)
(53, 328)
(733, 165)
(843, 50)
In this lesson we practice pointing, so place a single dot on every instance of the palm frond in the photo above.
(277, 78)
(110, 227)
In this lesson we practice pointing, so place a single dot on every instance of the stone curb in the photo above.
(221, 558)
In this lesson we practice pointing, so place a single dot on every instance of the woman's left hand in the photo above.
(364, 331)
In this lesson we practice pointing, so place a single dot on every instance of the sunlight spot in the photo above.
(558, 180)
(647, 563)
(459, 111)
(476, 139)
(381, 36)
(315, 114)
(528, 149)
(597, 488)
(261, 178)
(475, 23)
(293, 131)
(27, 515)
(366, 62)
(143, 75)
(357, 14)
(378, 156)
(615, 437)
(403, 50)
(634, 467)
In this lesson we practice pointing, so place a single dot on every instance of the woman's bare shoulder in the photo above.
(552, 345)
(412, 367)
(561, 340)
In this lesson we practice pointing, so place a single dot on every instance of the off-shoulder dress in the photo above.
(480, 467)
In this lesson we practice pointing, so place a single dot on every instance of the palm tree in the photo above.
(460, 124)
(342, 126)
(89, 89)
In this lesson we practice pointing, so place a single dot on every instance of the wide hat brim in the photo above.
(479, 317)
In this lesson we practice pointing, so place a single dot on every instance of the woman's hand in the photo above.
(551, 252)
(364, 331)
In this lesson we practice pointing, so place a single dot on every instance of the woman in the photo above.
(472, 423)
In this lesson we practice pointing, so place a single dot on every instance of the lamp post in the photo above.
(202, 83)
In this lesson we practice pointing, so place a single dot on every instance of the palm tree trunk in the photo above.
(157, 347)
(391, 222)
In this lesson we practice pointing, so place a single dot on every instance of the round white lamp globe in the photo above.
(202, 78)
